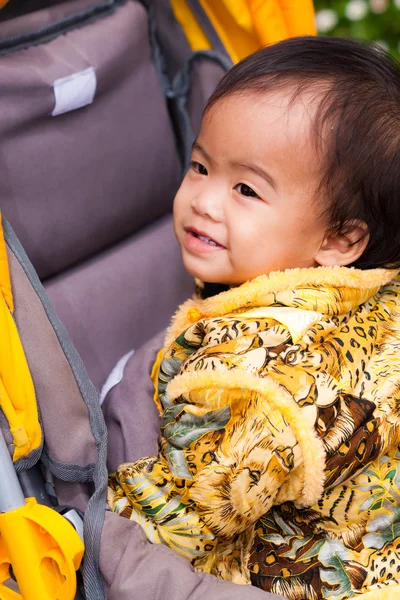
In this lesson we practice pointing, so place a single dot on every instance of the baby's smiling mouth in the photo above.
(203, 237)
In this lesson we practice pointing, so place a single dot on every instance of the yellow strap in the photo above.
(233, 26)
(17, 394)
(276, 20)
(299, 17)
(196, 37)
(239, 10)
(243, 26)
(3, 3)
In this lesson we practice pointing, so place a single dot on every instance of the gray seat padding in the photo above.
(78, 187)
(119, 299)
(158, 573)
(74, 184)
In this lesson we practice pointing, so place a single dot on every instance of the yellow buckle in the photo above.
(44, 550)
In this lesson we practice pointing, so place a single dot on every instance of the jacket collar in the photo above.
(325, 290)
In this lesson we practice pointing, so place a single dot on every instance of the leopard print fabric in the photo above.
(279, 460)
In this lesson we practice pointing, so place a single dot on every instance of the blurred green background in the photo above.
(375, 20)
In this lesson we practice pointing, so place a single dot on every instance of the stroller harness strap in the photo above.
(43, 549)
(17, 393)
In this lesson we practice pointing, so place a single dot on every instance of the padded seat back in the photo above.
(89, 166)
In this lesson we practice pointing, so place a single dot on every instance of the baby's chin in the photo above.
(215, 281)
(203, 272)
(208, 276)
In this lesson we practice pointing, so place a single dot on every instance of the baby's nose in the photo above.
(208, 205)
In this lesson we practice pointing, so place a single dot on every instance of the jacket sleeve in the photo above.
(270, 452)
(132, 418)
(134, 568)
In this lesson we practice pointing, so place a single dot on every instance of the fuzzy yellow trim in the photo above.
(253, 293)
(310, 444)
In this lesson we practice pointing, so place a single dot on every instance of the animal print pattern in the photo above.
(250, 401)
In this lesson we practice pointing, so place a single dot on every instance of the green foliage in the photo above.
(190, 427)
(373, 20)
(183, 430)
(334, 555)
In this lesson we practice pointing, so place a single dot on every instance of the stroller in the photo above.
(101, 100)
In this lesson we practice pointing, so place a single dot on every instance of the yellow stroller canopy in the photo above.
(243, 26)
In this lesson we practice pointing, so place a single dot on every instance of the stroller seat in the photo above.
(101, 102)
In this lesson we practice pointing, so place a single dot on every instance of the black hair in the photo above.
(356, 124)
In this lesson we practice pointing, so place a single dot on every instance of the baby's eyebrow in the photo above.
(199, 148)
(257, 170)
(237, 165)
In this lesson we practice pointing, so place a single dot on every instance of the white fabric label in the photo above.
(74, 91)
(115, 376)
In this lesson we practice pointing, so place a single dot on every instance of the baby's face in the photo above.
(247, 205)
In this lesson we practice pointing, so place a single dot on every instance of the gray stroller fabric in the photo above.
(61, 161)
(75, 435)
(190, 91)
(133, 568)
(118, 299)
(87, 190)
(132, 419)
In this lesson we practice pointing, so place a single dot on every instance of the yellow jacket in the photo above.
(279, 463)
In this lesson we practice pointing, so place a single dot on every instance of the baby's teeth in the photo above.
(207, 240)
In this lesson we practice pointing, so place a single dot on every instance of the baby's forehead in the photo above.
(298, 108)
(269, 130)
(287, 93)
(281, 117)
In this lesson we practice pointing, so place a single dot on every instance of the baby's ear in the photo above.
(345, 247)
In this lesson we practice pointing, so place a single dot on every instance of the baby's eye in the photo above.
(246, 190)
(198, 168)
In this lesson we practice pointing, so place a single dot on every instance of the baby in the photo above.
(279, 460)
